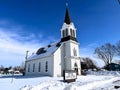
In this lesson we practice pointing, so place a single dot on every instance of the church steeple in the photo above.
(68, 31)
(67, 19)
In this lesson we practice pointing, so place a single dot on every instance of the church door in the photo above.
(76, 68)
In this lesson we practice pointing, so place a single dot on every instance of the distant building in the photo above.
(113, 67)
(53, 59)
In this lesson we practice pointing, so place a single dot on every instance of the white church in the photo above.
(53, 59)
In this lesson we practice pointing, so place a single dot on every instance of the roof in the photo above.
(67, 19)
(45, 51)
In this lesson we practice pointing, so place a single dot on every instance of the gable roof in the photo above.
(44, 51)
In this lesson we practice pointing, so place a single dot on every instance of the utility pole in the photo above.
(26, 57)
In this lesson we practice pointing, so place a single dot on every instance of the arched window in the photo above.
(46, 66)
(33, 67)
(76, 68)
(75, 65)
(71, 32)
(66, 32)
(29, 68)
(74, 52)
(39, 68)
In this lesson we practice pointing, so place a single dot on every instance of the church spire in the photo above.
(67, 16)
(68, 31)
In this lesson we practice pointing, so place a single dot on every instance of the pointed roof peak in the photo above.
(67, 19)
(66, 4)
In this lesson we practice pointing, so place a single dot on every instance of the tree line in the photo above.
(4, 70)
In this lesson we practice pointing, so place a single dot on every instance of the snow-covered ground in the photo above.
(88, 82)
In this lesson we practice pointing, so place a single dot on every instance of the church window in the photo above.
(66, 32)
(33, 67)
(29, 68)
(39, 68)
(76, 68)
(71, 31)
(75, 65)
(74, 52)
(46, 66)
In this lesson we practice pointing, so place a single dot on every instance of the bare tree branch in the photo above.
(119, 1)
(105, 52)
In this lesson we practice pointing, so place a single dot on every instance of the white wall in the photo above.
(70, 59)
(62, 59)
(58, 65)
(42, 69)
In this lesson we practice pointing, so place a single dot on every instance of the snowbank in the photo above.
(88, 82)
(109, 73)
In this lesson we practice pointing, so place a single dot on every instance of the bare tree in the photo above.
(105, 52)
(22, 67)
(2, 68)
(88, 63)
(119, 1)
(118, 48)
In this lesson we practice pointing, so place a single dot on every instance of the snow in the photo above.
(115, 73)
(49, 51)
(88, 82)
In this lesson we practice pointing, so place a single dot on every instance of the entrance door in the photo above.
(76, 68)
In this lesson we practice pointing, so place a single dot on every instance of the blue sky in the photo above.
(31, 24)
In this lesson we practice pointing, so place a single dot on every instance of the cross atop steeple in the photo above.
(67, 19)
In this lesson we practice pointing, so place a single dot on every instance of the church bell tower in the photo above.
(68, 30)
(70, 46)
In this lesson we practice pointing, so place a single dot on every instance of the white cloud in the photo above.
(13, 45)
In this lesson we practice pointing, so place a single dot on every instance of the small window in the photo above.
(46, 66)
(63, 32)
(66, 32)
(39, 68)
(29, 68)
(75, 65)
(33, 67)
(74, 52)
(71, 31)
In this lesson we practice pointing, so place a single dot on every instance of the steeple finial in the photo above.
(66, 4)
(67, 16)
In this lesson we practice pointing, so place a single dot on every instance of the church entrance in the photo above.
(76, 68)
